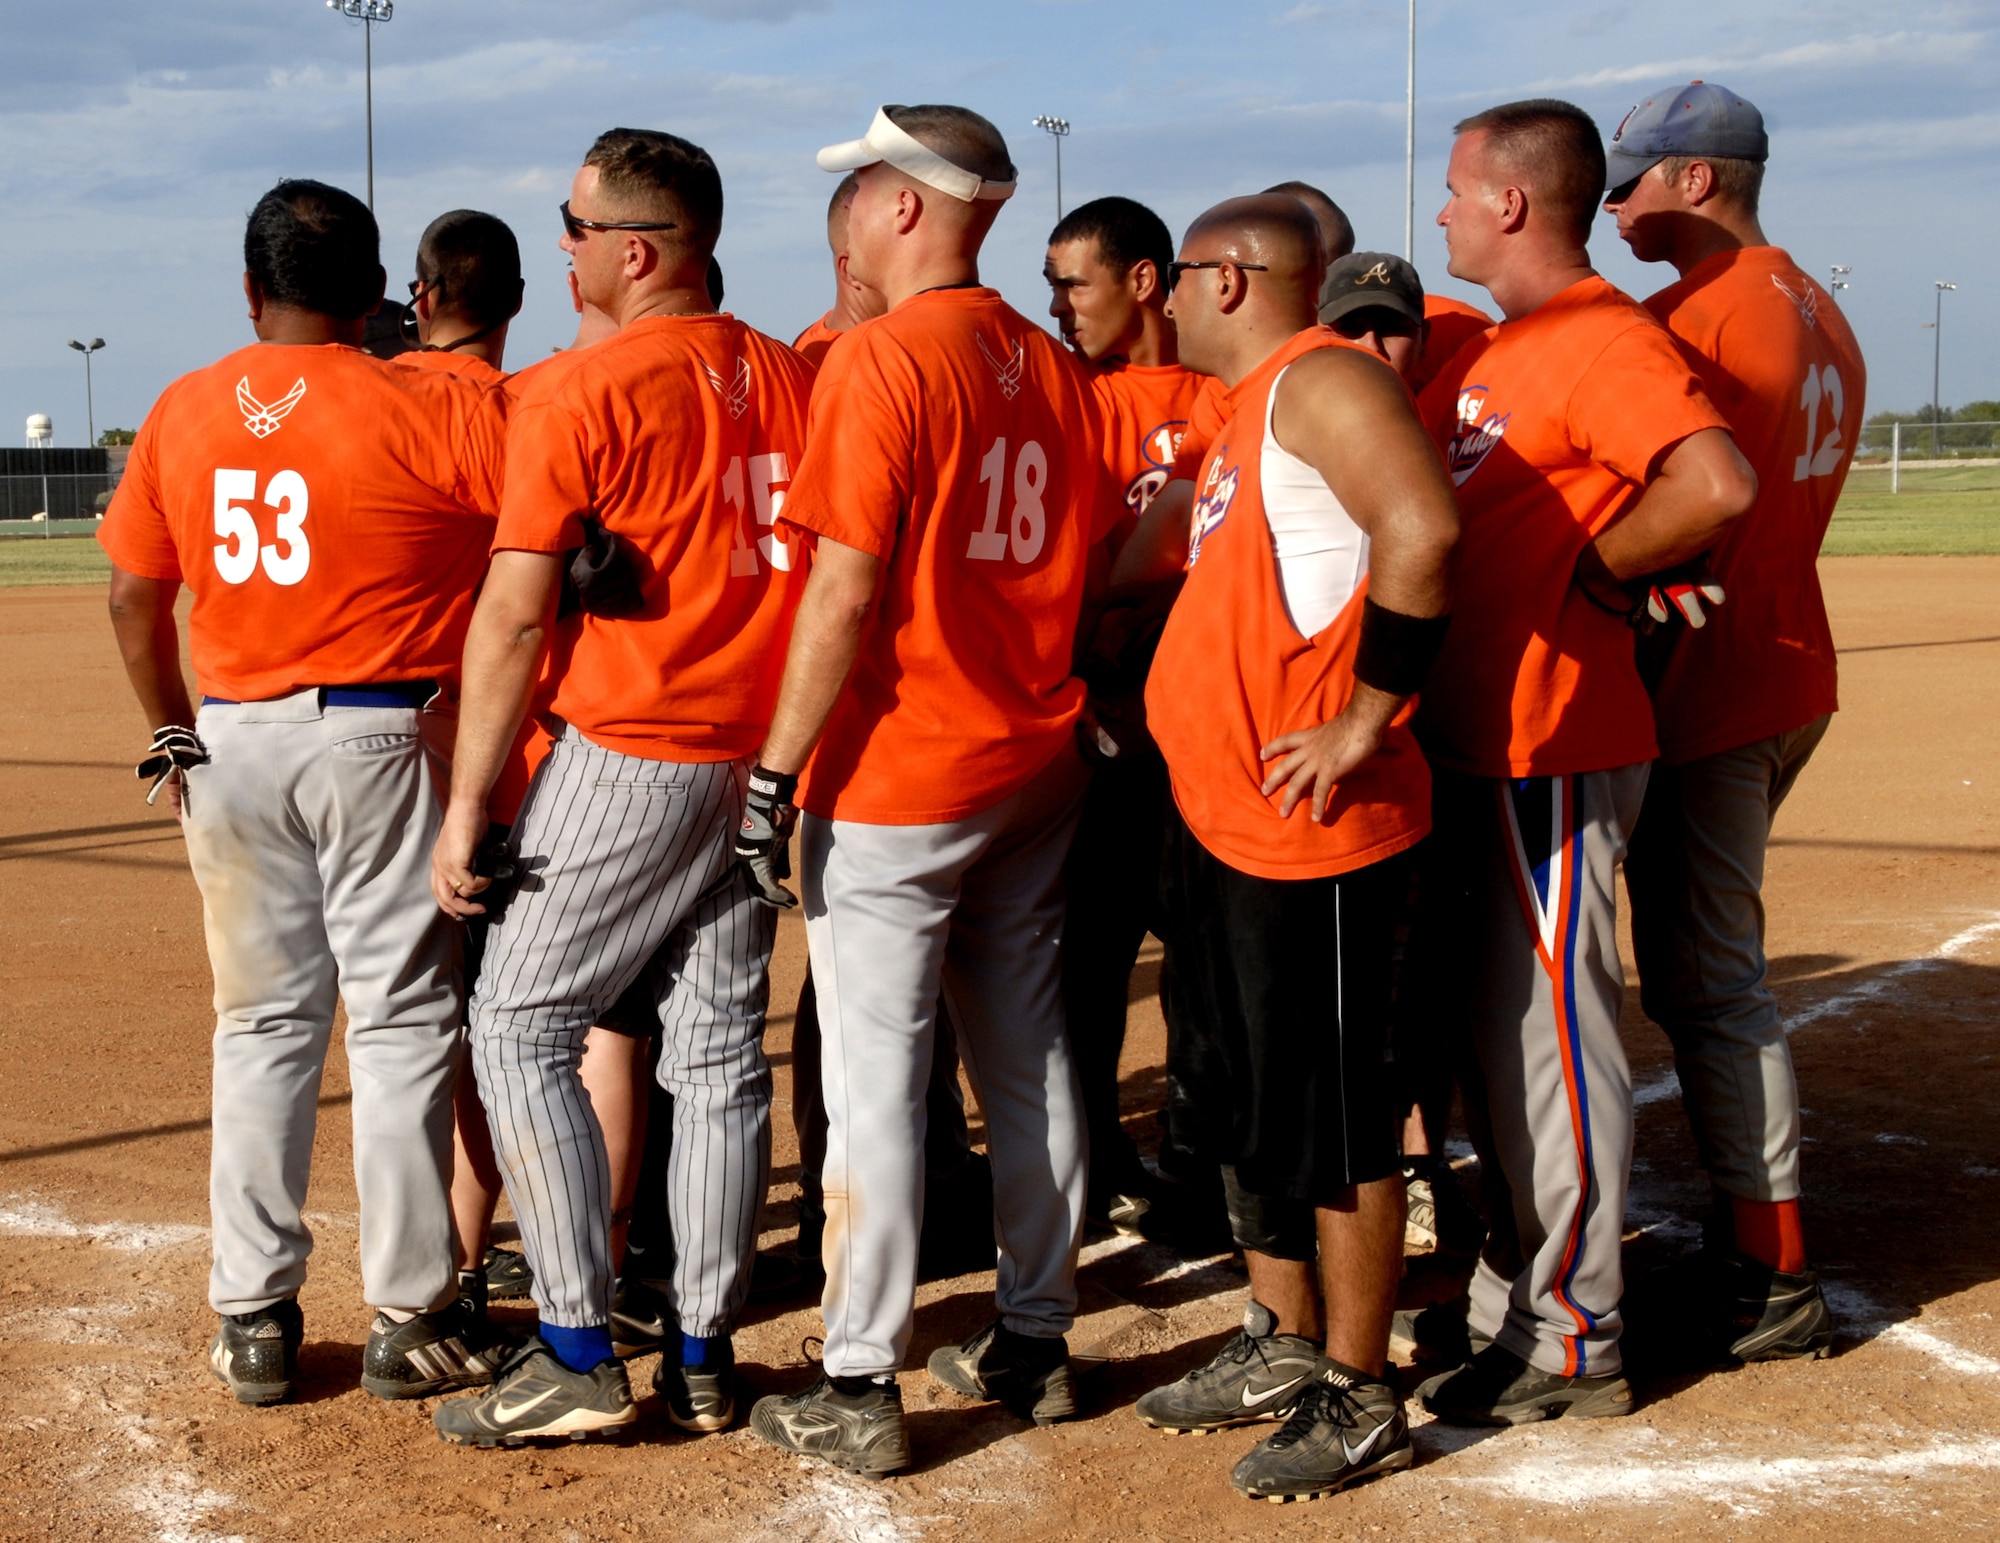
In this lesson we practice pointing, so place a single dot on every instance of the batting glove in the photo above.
(1679, 592)
(763, 839)
(173, 751)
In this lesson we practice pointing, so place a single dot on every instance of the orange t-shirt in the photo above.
(330, 512)
(816, 340)
(1550, 427)
(1453, 324)
(445, 362)
(954, 440)
(680, 434)
(1213, 405)
(1146, 410)
(1779, 360)
(1233, 673)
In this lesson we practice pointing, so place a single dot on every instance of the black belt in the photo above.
(391, 693)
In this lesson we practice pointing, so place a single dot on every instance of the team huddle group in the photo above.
(1344, 638)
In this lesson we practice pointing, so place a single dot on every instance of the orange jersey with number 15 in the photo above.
(330, 512)
(953, 440)
(1781, 364)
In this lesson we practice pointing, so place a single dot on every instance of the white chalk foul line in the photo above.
(1857, 1313)
(26, 1216)
(1843, 1003)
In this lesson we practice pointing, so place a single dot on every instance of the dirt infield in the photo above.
(1884, 897)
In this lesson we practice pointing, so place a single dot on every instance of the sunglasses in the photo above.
(1175, 270)
(575, 225)
(425, 286)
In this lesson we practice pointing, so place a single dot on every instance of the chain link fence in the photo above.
(1948, 457)
(54, 503)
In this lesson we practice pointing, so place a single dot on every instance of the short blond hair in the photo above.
(1739, 181)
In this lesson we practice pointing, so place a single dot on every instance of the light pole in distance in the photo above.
(1410, 146)
(1057, 129)
(368, 13)
(1838, 276)
(89, 400)
(1937, 355)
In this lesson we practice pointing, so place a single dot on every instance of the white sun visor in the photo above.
(884, 141)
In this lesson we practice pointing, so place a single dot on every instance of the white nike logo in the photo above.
(507, 1414)
(1252, 1400)
(1355, 1454)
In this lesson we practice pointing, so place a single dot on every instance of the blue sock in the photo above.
(696, 1351)
(581, 1350)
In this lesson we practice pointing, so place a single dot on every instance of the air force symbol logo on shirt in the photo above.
(735, 395)
(1477, 436)
(1806, 300)
(1212, 508)
(1008, 373)
(261, 420)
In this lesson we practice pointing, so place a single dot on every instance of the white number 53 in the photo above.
(240, 550)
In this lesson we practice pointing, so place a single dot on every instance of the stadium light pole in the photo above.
(1838, 278)
(368, 13)
(1937, 356)
(1410, 146)
(89, 399)
(1057, 129)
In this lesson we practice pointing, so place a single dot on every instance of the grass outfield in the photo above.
(1927, 519)
(28, 560)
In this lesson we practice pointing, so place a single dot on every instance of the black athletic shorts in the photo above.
(1284, 986)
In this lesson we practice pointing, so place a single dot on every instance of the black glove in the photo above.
(174, 750)
(603, 577)
(762, 840)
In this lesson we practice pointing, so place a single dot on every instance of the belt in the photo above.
(393, 693)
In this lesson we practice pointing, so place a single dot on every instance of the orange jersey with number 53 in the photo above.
(680, 434)
(1781, 364)
(330, 512)
(954, 440)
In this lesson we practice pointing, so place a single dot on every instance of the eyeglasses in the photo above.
(576, 225)
(1175, 270)
(425, 286)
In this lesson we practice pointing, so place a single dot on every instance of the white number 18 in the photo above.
(1030, 523)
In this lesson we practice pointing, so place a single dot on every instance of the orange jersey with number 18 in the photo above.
(1780, 362)
(330, 512)
(953, 440)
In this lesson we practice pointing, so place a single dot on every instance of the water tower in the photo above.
(41, 431)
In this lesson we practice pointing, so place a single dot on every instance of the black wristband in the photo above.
(779, 787)
(1397, 651)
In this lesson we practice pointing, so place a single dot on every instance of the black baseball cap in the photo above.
(1362, 280)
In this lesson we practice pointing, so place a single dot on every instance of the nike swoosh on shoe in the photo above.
(1252, 1402)
(507, 1415)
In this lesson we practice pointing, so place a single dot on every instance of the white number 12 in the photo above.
(1823, 460)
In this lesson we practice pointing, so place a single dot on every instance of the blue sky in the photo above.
(134, 137)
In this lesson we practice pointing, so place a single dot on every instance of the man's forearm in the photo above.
(142, 620)
(1704, 485)
(825, 639)
(501, 658)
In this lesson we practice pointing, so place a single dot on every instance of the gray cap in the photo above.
(1363, 279)
(1697, 119)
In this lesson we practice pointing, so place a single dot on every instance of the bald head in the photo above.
(1272, 229)
(1336, 231)
(1258, 283)
(836, 213)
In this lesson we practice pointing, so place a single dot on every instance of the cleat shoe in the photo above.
(1774, 1315)
(1440, 1219)
(257, 1354)
(432, 1353)
(1344, 1427)
(700, 1398)
(1437, 1335)
(507, 1273)
(860, 1431)
(1123, 1213)
(1497, 1387)
(1420, 1234)
(536, 1398)
(1257, 1375)
(1029, 1375)
(641, 1321)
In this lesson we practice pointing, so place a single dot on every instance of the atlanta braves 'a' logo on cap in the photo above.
(1008, 373)
(1212, 508)
(259, 419)
(1379, 274)
(735, 395)
(1807, 301)
(1476, 436)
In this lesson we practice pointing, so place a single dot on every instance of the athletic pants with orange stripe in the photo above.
(1538, 859)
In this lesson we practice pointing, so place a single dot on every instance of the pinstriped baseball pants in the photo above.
(622, 859)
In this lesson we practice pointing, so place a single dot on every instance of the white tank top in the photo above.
(1322, 554)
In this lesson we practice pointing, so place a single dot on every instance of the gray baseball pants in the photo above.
(309, 832)
(1696, 876)
(894, 914)
(622, 858)
(1550, 1098)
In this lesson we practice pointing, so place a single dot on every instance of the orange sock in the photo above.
(1769, 1232)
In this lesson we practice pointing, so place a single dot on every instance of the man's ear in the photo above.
(1144, 277)
(1511, 205)
(381, 288)
(909, 209)
(254, 294)
(1697, 184)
